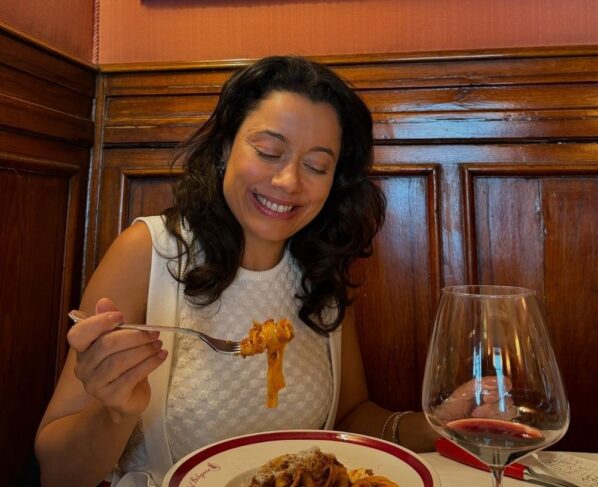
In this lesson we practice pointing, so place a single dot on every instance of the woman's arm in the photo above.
(358, 414)
(103, 386)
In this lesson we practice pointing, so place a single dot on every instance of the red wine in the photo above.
(495, 441)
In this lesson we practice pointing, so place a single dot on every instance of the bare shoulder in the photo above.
(123, 273)
(130, 251)
(134, 240)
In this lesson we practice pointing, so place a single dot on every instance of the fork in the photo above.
(222, 346)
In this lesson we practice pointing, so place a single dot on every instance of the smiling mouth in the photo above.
(273, 206)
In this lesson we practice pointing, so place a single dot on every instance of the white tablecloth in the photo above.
(454, 474)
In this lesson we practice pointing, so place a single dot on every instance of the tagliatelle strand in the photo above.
(272, 337)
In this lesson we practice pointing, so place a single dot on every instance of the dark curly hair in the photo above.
(343, 230)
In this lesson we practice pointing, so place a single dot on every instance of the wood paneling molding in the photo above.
(498, 96)
(366, 60)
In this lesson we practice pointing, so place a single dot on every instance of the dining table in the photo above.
(231, 462)
(455, 474)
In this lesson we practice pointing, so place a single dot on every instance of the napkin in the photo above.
(581, 471)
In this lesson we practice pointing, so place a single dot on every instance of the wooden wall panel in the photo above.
(536, 226)
(571, 286)
(394, 307)
(46, 131)
(135, 182)
(508, 222)
(146, 194)
(478, 155)
(33, 219)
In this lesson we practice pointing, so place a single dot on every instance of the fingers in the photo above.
(488, 389)
(119, 391)
(118, 368)
(504, 409)
(119, 381)
(87, 331)
(113, 364)
(492, 396)
(493, 382)
(116, 350)
(113, 342)
(496, 399)
(487, 397)
(453, 408)
(495, 388)
(104, 305)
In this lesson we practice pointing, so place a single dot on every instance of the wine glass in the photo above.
(492, 383)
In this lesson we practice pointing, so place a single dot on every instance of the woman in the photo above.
(273, 207)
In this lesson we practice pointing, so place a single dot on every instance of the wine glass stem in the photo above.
(497, 474)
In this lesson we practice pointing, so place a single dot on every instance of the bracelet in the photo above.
(388, 420)
(395, 425)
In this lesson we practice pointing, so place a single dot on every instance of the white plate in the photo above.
(231, 462)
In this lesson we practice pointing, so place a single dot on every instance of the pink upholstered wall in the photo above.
(63, 24)
(192, 30)
(195, 30)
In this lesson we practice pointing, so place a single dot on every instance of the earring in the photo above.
(221, 167)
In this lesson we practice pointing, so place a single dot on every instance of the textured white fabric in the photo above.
(213, 396)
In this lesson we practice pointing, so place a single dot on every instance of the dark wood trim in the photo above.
(366, 59)
(39, 44)
(29, 117)
(94, 185)
(37, 164)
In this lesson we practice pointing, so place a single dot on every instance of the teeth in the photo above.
(273, 206)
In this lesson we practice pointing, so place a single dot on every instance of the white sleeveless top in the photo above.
(214, 396)
(211, 396)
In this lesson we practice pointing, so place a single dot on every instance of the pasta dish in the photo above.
(272, 337)
(313, 468)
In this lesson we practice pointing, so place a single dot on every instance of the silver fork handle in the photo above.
(77, 316)
(217, 344)
(172, 329)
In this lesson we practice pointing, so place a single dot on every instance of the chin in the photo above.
(273, 237)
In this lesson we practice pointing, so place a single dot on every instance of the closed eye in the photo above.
(315, 169)
(266, 155)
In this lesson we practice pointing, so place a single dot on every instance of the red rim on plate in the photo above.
(404, 455)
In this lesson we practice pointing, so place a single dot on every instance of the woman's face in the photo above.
(280, 168)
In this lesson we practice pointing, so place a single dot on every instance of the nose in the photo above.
(287, 177)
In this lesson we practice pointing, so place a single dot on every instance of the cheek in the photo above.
(244, 172)
(239, 179)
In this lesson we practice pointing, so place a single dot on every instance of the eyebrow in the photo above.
(279, 136)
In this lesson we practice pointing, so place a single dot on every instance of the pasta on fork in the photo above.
(272, 337)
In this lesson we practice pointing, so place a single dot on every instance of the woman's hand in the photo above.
(489, 397)
(114, 364)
